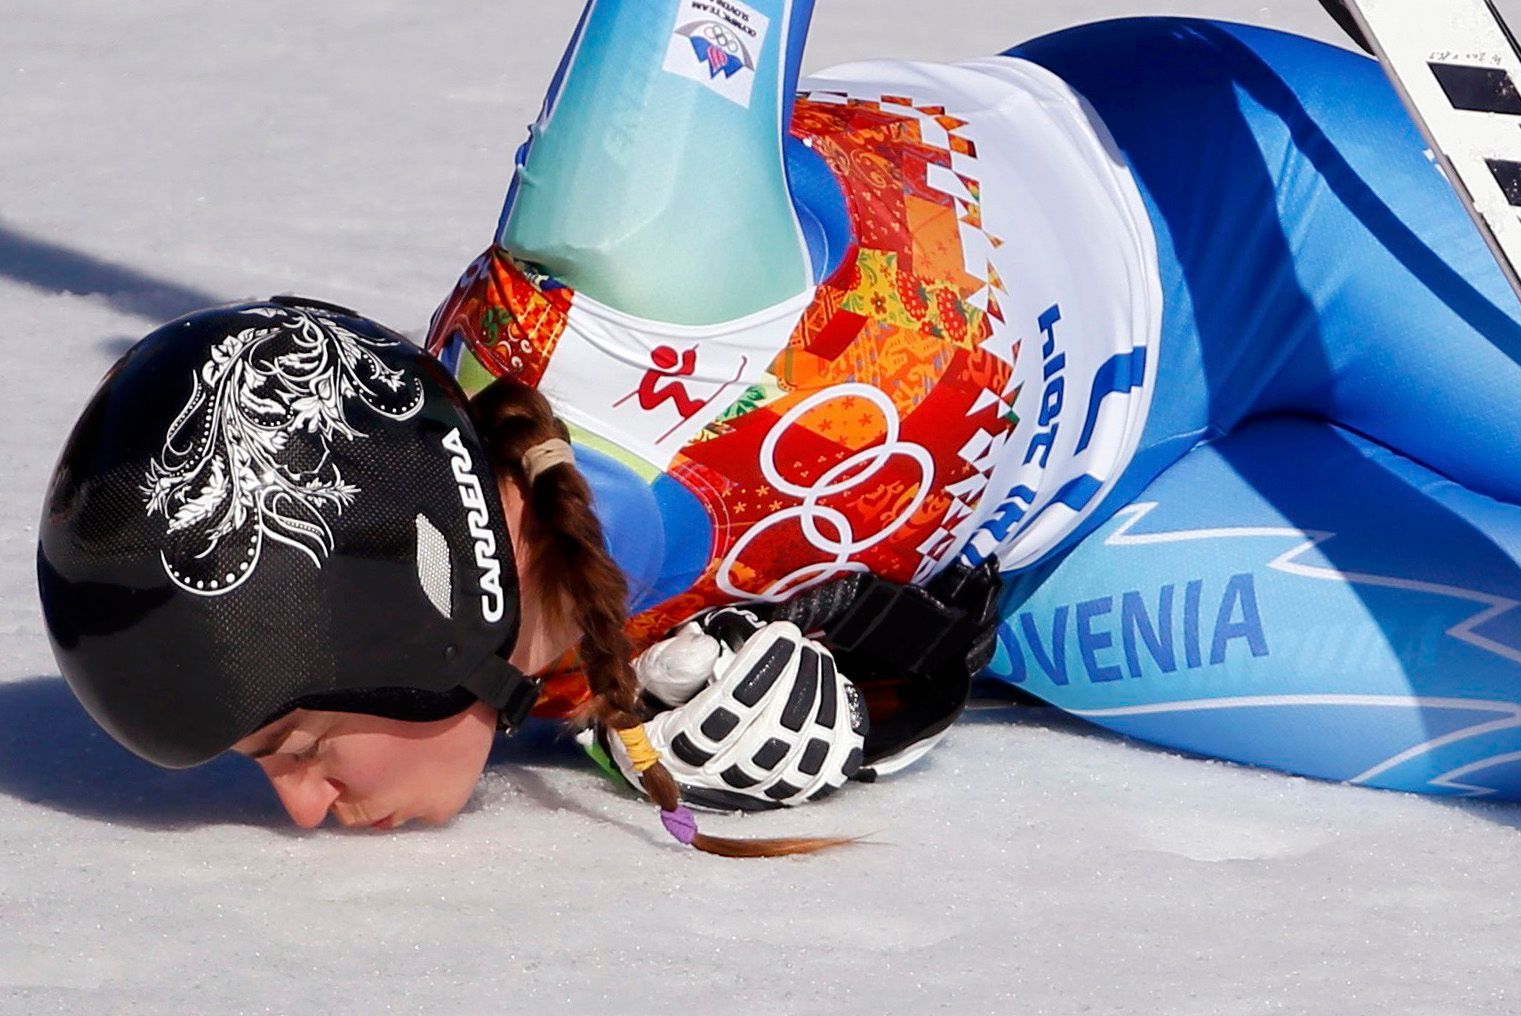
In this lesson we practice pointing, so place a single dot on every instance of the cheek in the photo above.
(430, 776)
(371, 765)
(454, 768)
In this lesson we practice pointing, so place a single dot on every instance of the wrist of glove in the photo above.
(760, 716)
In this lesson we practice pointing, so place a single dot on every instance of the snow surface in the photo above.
(159, 155)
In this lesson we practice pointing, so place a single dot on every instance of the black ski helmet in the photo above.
(273, 505)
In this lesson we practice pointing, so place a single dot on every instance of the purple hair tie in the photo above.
(681, 824)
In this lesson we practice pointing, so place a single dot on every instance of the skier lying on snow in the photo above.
(1152, 366)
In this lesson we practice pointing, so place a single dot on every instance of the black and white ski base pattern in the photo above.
(1457, 67)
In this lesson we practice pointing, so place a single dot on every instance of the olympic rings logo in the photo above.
(721, 37)
(828, 530)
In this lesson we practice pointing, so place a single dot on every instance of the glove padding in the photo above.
(767, 720)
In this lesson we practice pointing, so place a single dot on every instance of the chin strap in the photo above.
(506, 689)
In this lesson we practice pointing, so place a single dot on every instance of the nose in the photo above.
(305, 794)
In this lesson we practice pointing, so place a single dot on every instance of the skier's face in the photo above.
(371, 771)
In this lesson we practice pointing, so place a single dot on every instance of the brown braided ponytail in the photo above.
(582, 584)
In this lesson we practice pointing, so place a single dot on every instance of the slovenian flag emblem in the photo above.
(718, 47)
(719, 61)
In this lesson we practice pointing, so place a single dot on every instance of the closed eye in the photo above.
(305, 754)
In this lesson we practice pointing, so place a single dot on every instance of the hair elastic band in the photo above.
(678, 821)
(547, 455)
(641, 753)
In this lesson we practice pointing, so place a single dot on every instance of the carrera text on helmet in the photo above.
(474, 501)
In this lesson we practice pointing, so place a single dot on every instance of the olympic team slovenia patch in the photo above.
(718, 43)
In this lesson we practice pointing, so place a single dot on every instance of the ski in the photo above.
(1457, 68)
(1343, 17)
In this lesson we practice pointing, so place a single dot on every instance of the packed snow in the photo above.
(160, 155)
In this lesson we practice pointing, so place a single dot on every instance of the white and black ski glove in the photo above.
(760, 719)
